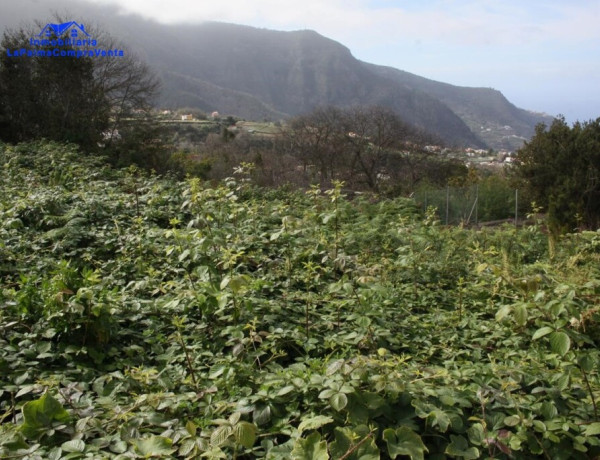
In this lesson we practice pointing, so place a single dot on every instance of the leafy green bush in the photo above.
(142, 317)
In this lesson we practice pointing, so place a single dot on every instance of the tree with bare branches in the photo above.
(76, 98)
(356, 144)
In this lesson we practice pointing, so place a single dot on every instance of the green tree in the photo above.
(560, 168)
(84, 100)
(52, 97)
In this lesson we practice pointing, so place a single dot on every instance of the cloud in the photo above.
(530, 49)
(465, 23)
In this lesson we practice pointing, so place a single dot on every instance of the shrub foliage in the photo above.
(142, 317)
(561, 168)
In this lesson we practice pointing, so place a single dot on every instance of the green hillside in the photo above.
(143, 317)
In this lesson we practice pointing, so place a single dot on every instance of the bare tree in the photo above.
(70, 98)
(317, 140)
(353, 144)
(128, 83)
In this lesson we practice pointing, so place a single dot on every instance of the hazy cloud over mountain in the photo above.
(528, 50)
(542, 54)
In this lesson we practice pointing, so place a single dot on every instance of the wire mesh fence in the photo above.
(472, 205)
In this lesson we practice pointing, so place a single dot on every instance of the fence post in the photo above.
(516, 207)
(447, 201)
(476, 204)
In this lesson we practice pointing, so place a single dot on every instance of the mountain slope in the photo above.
(290, 73)
(184, 91)
(486, 111)
(259, 73)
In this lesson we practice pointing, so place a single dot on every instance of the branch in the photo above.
(354, 448)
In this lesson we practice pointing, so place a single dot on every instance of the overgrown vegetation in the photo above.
(142, 317)
(560, 167)
(474, 198)
(368, 148)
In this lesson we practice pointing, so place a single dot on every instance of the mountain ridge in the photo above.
(301, 70)
(259, 73)
(466, 102)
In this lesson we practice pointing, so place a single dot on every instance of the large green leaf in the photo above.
(459, 447)
(476, 434)
(512, 420)
(220, 435)
(587, 361)
(520, 314)
(404, 441)
(541, 332)
(338, 401)
(44, 411)
(261, 414)
(503, 312)
(41, 413)
(245, 434)
(186, 447)
(560, 343)
(346, 441)
(77, 445)
(314, 423)
(548, 410)
(310, 448)
(154, 446)
(593, 429)
(118, 446)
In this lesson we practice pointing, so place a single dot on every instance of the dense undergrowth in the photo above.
(144, 317)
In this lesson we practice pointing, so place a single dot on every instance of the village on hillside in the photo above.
(488, 158)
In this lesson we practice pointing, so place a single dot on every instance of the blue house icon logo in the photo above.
(68, 39)
(71, 28)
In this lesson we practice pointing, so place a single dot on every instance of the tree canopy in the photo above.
(367, 147)
(560, 168)
(80, 99)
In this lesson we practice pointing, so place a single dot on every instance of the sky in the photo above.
(543, 55)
